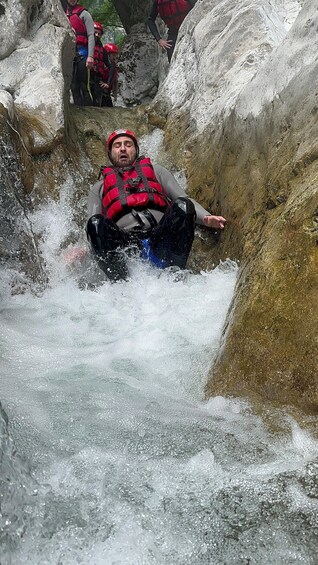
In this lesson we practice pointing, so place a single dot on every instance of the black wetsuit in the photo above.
(79, 85)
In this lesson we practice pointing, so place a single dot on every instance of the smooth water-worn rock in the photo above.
(139, 59)
(17, 243)
(143, 64)
(132, 12)
(38, 150)
(36, 63)
(246, 115)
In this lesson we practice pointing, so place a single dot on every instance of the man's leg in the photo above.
(172, 239)
(107, 242)
(75, 86)
(97, 91)
(106, 100)
(94, 93)
(82, 77)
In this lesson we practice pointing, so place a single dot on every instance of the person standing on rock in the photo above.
(172, 12)
(83, 27)
(103, 71)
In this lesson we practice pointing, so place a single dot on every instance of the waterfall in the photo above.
(109, 451)
(112, 454)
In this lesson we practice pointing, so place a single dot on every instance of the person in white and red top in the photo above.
(83, 27)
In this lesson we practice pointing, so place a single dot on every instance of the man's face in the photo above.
(98, 34)
(72, 2)
(123, 152)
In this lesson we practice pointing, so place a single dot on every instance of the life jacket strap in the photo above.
(150, 217)
(141, 173)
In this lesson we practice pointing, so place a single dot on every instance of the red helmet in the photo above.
(111, 48)
(121, 133)
(98, 26)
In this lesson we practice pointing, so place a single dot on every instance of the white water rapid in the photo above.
(111, 455)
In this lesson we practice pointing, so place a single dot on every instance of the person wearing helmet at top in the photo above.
(172, 12)
(102, 70)
(140, 204)
(113, 51)
(83, 27)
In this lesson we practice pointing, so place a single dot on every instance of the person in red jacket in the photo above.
(172, 12)
(83, 27)
(102, 71)
(141, 204)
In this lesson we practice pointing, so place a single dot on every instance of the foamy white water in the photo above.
(119, 459)
(104, 392)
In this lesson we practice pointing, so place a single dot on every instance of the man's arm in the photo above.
(95, 199)
(164, 43)
(174, 190)
(111, 74)
(106, 59)
(151, 21)
(89, 24)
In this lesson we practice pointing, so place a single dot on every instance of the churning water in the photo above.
(112, 455)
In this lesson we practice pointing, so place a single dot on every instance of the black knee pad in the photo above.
(94, 223)
(104, 235)
(184, 205)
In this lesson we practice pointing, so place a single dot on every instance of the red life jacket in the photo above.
(100, 68)
(73, 13)
(173, 12)
(137, 188)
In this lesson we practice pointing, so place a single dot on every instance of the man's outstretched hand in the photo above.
(217, 222)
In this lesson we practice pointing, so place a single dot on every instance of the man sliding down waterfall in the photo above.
(141, 206)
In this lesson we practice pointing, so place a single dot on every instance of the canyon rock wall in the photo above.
(245, 112)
